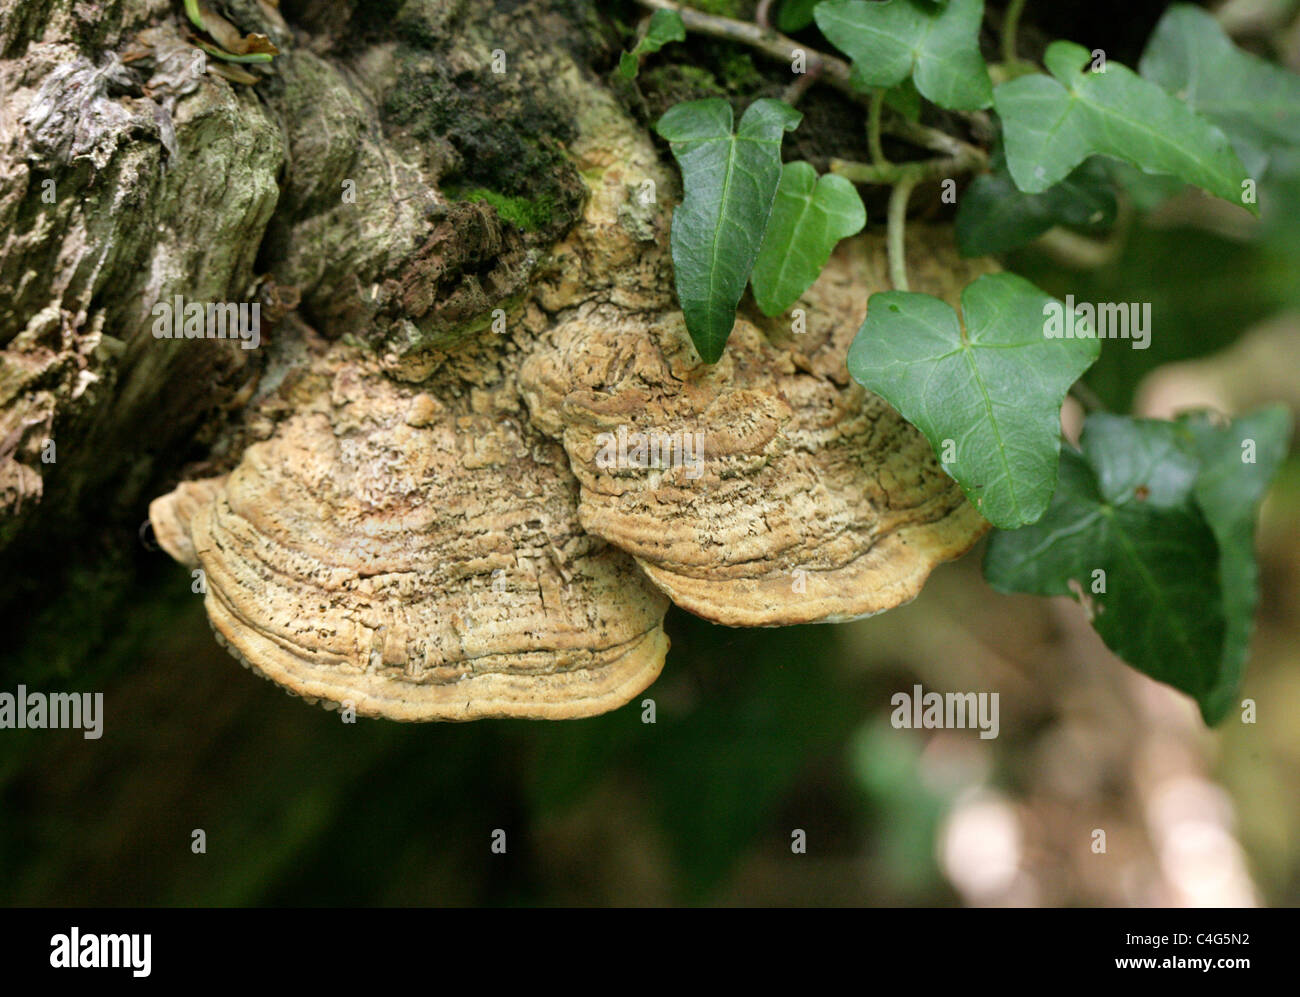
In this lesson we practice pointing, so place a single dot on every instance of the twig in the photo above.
(1010, 27)
(873, 128)
(925, 169)
(896, 243)
(771, 43)
(930, 138)
(825, 68)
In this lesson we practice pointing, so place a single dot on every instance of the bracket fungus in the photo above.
(415, 553)
(767, 489)
(452, 547)
(440, 537)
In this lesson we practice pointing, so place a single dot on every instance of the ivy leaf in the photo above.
(1237, 463)
(1256, 103)
(730, 182)
(995, 215)
(665, 26)
(987, 396)
(1052, 124)
(1147, 191)
(810, 215)
(1125, 534)
(905, 99)
(937, 45)
(795, 15)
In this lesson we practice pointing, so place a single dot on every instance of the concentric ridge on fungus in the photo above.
(812, 501)
(417, 559)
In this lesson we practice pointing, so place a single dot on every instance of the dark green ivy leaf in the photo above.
(810, 215)
(795, 15)
(730, 182)
(1152, 526)
(1237, 463)
(985, 389)
(1051, 124)
(936, 45)
(995, 215)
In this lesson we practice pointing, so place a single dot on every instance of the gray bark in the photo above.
(348, 191)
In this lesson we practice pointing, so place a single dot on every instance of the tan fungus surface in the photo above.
(416, 553)
(813, 500)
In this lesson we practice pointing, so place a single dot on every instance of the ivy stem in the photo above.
(192, 12)
(897, 244)
(930, 138)
(873, 128)
(766, 40)
(1010, 28)
(925, 169)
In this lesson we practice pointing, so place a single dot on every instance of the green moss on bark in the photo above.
(508, 145)
(528, 215)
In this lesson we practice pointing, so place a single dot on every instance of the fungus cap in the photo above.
(783, 492)
(417, 558)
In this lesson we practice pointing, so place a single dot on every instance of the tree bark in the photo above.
(395, 174)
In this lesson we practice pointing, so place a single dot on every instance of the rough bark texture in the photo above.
(128, 178)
